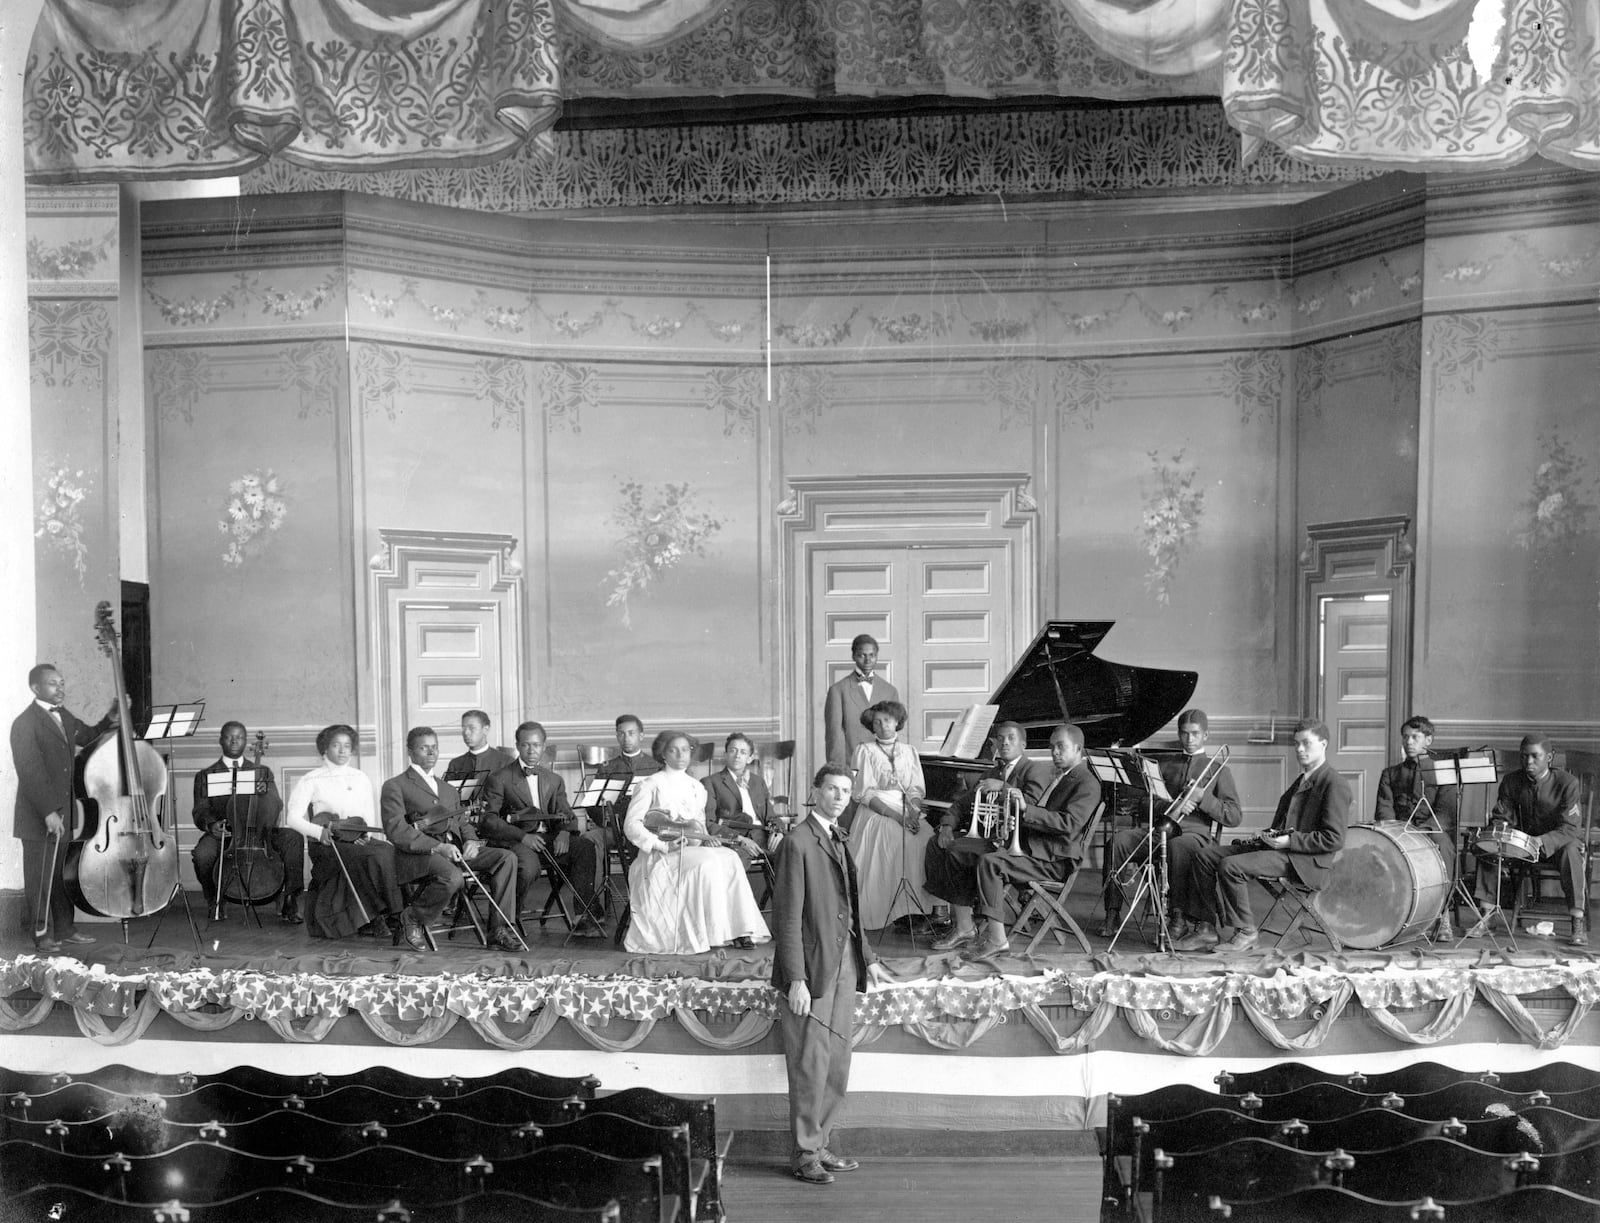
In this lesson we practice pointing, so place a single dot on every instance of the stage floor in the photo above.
(1012, 1044)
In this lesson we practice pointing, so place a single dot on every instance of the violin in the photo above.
(126, 865)
(345, 828)
(251, 870)
(692, 832)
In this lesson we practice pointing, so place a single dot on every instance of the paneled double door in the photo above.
(941, 617)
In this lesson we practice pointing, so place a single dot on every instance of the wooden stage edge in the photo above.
(1021, 1045)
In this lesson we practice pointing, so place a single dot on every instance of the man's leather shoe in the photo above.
(78, 937)
(836, 1163)
(587, 927)
(503, 940)
(1203, 937)
(46, 946)
(1484, 924)
(291, 910)
(956, 938)
(1580, 933)
(1112, 923)
(1244, 939)
(813, 1173)
(411, 931)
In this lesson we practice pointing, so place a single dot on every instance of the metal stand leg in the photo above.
(904, 887)
(1152, 883)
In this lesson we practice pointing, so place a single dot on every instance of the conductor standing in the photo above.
(821, 963)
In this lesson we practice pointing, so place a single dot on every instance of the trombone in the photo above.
(1202, 781)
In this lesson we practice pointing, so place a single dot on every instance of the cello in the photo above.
(126, 865)
(251, 871)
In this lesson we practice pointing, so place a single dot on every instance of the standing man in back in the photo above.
(842, 730)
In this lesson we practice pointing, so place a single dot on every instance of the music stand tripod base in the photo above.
(904, 888)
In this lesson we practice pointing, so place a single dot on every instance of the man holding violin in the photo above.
(244, 813)
(45, 741)
(434, 843)
(1543, 804)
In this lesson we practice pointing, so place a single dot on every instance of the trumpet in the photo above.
(1203, 780)
(997, 817)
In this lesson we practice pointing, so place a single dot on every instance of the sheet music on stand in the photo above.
(1128, 769)
(178, 721)
(1466, 768)
(231, 782)
(598, 791)
(970, 732)
(470, 788)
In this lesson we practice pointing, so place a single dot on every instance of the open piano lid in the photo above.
(1058, 679)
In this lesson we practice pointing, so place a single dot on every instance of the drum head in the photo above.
(1385, 882)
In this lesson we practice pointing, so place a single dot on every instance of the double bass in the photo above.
(251, 871)
(126, 864)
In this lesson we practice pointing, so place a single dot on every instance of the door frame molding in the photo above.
(1359, 557)
(394, 589)
(934, 510)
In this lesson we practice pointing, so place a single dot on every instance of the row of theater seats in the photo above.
(124, 1145)
(1292, 1143)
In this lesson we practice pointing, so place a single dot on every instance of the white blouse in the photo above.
(340, 788)
(682, 797)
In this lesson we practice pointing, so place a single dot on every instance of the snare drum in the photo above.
(1506, 843)
(1388, 886)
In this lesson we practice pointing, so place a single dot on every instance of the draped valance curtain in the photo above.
(160, 88)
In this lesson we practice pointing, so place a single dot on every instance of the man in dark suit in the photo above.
(515, 798)
(820, 963)
(1194, 823)
(1546, 804)
(952, 858)
(1052, 831)
(1406, 794)
(433, 842)
(261, 807)
(45, 741)
(841, 709)
(737, 803)
(1306, 835)
(480, 759)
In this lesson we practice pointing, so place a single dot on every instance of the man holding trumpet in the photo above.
(1051, 808)
(1204, 798)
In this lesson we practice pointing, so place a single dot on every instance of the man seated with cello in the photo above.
(251, 813)
(435, 843)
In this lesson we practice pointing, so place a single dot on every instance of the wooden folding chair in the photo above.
(1047, 902)
(1300, 904)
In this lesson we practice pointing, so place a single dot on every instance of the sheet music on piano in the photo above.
(968, 733)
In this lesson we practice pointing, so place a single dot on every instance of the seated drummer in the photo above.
(434, 843)
(513, 799)
(480, 759)
(1306, 834)
(1542, 802)
(972, 873)
(738, 807)
(223, 817)
(1195, 822)
(1405, 794)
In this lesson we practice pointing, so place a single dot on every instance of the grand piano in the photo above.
(1059, 679)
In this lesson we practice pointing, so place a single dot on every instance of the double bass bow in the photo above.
(250, 870)
(126, 865)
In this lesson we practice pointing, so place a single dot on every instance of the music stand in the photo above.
(600, 791)
(1468, 767)
(169, 722)
(1143, 776)
(470, 788)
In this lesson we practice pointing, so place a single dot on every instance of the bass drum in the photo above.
(1388, 886)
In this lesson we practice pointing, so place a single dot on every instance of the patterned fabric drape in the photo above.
(161, 88)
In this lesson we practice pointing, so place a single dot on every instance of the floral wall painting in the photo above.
(58, 517)
(252, 512)
(1172, 513)
(1554, 515)
(660, 527)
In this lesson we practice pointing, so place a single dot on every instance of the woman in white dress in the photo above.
(336, 789)
(687, 893)
(889, 836)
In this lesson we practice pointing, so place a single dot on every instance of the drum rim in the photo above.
(1413, 844)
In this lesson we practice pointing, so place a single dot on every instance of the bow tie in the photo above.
(863, 679)
(56, 709)
(527, 772)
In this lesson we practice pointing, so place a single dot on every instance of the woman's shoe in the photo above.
(744, 943)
